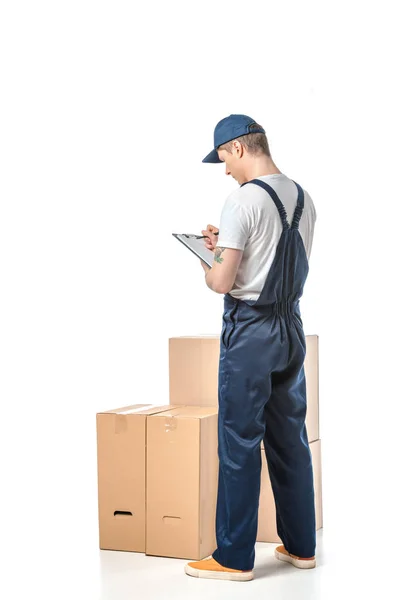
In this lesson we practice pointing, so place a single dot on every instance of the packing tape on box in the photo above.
(120, 423)
(136, 409)
(170, 424)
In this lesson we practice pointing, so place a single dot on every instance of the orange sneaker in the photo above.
(210, 569)
(301, 563)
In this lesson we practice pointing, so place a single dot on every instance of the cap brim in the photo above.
(212, 158)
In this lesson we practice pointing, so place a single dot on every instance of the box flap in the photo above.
(142, 409)
(211, 336)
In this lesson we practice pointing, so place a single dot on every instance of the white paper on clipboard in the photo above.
(196, 246)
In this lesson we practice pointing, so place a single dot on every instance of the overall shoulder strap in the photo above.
(281, 209)
(275, 198)
(299, 208)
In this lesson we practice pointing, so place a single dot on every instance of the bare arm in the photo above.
(221, 277)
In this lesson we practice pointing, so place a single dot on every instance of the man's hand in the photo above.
(211, 240)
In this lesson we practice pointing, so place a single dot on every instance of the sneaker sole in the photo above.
(218, 574)
(296, 562)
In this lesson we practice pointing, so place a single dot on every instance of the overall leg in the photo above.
(288, 456)
(244, 389)
(239, 481)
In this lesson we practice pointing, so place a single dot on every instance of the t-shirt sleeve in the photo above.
(235, 225)
(314, 210)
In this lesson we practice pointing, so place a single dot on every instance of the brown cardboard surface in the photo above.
(193, 375)
(209, 465)
(311, 368)
(267, 515)
(182, 478)
(121, 466)
(193, 370)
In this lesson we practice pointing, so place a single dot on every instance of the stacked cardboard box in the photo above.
(158, 465)
(182, 479)
(157, 480)
(121, 468)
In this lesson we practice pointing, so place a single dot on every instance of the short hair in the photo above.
(255, 143)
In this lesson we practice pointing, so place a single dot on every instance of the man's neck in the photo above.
(262, 167)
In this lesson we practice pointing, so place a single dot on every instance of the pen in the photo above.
(201, 237)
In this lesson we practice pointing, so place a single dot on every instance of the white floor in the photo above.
(49, 530)
(75, 569)
(126, 576)
(49, 544)
(123, 575)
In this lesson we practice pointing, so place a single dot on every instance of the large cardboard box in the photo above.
(267, 514)
(193, 375)
(121, 465)
(182, 481)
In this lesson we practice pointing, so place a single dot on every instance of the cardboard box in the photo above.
(121, 465)
(267, 515)
(193, 375)
(182, 482)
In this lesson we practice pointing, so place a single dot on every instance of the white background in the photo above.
(107, 109)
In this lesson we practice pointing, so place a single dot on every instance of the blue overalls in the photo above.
(262, 396)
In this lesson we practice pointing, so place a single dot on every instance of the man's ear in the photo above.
(238, 148)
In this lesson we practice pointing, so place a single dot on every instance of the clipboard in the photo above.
(196, 245)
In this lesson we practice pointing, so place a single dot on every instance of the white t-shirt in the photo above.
(250, 222)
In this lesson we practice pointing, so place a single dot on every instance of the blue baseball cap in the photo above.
(229, 129)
